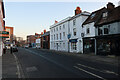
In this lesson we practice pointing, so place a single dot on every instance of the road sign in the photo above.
(69, 36)
(4, 34)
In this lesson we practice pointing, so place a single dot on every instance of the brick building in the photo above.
(45, 40)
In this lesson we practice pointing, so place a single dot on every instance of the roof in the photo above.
(46, 34)
(85, 13)
(94, 16)
(113, 16)
(60, 22)
(97, 16)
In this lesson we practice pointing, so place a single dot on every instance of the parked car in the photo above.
(8, 47)
(38, 47)
(15, 49)
(26, 46)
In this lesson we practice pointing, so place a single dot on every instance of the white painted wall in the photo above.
(59, 44)
(114, 28)
(78, 26)
(91, 28)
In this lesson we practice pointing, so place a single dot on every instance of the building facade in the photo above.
(45, 40)
(2, 26)
(75, 41)
(31, 40)
(66, 34)
(10, 40)
(58, 35)
(106, 27)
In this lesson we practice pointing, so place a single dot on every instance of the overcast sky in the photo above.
(30, 17)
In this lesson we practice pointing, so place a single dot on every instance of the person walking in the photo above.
(4, 49)
(11, 50)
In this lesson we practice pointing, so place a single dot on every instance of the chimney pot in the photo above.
(56, 21)
(78, 11)
(44, 31)
(110, 6)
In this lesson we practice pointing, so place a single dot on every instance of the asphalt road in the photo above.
(34, 63)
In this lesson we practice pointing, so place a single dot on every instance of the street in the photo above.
(34, 63)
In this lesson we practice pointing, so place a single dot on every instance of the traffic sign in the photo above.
(69, 36)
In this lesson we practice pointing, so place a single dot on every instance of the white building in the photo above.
(58, 35)
(76, 43)
(63, 34)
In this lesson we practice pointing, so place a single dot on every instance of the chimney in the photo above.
(56, 21)
(78, 11)
(44, 31)
(36, 33)
(41, 33)
(110, 6)
(119, 3)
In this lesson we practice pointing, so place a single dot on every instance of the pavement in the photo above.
(109, 59)
(0, 67)
(9, 66)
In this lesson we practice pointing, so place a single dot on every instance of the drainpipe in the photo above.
(95, 47)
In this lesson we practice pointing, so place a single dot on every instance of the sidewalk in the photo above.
(9, 67)
(0, 67)
(113, 60)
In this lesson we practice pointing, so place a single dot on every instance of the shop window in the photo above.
(106, 31)
(74, 46)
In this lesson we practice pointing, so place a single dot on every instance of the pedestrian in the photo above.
(4, 50)
(11, 50)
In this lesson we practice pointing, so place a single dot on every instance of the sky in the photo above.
(29, 18)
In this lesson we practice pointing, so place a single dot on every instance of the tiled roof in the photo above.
(113, 16)
(97, 16)
(94, 16)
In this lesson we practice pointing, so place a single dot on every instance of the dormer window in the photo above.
(105, 14)
(92, 16)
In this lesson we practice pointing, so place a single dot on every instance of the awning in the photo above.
(73, 40)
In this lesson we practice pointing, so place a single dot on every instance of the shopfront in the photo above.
(89, 45)
(105, 44)
(108, 44)
(73, 45)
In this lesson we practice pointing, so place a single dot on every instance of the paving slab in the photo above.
(9, 66)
